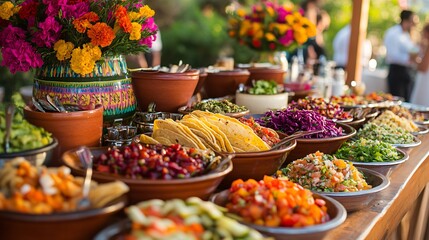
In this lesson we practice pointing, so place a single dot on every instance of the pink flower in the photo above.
(20, 56)
(53, 6)
(281, 14)
(150, 25)
(74, 11)
(49, 32)
(287, 39)
(10, 35)
(148, 41)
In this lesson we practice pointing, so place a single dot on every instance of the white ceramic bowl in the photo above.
(258, 104)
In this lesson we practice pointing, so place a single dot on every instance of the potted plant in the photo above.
(269, 27)
(76, 48)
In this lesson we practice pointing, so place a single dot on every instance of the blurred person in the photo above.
(401, 52)
(149, 59)
(341, 48)
(316, 46)
(421, 86)
(311, 9)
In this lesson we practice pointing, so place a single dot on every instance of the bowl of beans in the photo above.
(157, 171)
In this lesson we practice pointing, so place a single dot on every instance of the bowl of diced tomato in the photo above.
(294, 212)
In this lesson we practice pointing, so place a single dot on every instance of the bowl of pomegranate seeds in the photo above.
(156, 171)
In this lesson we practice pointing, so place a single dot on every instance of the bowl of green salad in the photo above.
(372, 154)
(262, 96)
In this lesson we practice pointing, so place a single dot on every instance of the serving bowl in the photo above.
(223, 83)
(37, 157)
(82, 224)
(168, 90)
(258, 104)
(357, 123)
(144, 189)
(336, 212)
(353, 201)
(255, 165)
(384, 168)
(306, 146)
(144, 120)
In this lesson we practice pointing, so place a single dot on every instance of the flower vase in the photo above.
(109, 85)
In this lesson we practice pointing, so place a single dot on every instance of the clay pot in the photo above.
(201, 80)
(168, 91)
(266, 73)
(72, 129)
(223, 83)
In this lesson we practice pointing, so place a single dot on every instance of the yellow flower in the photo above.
(244, 27)
(136, 31)
(6, 10)
(241, 12)
(300, 35)
(310, 28)
(133, 16)
(282, 28)
(63, 49)
(146, 12)
(83, 59)
(270, 37)
(258, 34)
(270, 11)
(290, 19)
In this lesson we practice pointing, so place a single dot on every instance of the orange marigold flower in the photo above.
(123, 19)
(84, 22)
(101, 35)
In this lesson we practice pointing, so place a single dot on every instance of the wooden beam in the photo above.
(357, 37)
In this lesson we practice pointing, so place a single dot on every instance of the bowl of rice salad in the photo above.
(326, 175)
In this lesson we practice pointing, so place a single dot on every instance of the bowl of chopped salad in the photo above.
(222, 106)
(327, 175)
(289, 121)
(396, 136)
(156, 171)
(281, 209)
(372, 154)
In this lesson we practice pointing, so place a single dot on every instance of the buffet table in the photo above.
(381, 219)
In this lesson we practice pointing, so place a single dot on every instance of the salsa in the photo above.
(267, 134)
(329, 110)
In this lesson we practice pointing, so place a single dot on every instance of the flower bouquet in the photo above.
(34, 33)
(269, 26)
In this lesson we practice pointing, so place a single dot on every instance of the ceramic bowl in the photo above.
(384, 168)
(357, 123)
(82, 225)
(266, 73)
(336, 212)
(306, 146)
(37, 157)
(255, 165)
(71, 129)
(258, 104)
(145, 189)
(353, 201)
(185, 110)
(169, 91)
(223, 83)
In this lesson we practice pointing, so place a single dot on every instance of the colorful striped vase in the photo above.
(109, 84)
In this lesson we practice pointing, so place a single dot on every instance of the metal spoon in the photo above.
(37, 105)
(52, 103)
(10, 111)
(56, 102)
(294, 136)
(85, 157)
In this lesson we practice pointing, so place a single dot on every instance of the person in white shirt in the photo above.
(400, 55)
(421, 87)
(341, 48)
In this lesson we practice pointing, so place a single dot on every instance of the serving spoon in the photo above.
(85, 157)
(294, 136)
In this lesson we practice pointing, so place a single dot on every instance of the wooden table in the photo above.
(383, 216)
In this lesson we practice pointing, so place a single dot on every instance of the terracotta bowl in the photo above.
(353, 201)
(145, 189)
(37, 157)
(266, 73)
(82, 225)
(255, 165)
(223, 83)
(306, 146)
(336, 212)
(169, 91)
(384, 168)
(72, 129)
(201, 80)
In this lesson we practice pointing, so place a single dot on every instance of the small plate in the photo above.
(183, 110)
(416, 143)
(425, 122)
(422, 130)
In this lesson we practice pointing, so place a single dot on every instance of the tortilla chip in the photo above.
(201, 131)
(219, 135)
(239, 134)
